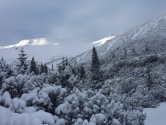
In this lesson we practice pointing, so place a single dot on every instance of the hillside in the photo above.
(134, 64)
(151, 34)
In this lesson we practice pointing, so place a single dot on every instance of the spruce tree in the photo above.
(33, 66)
(22, 61)
(45, 69)
(146, 47)
(113, 55)
(37, 70)
(133, 51)
(82, 72)
(95, 69)
(1, 65)
(52, 68)
(149, 80)
(125, 53)
(42, 68)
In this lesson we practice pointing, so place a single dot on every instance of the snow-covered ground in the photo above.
(156, 116)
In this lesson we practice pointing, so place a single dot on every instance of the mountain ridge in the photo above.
(140, 36)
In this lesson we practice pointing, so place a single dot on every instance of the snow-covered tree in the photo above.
(33, 66)
(125, 52)
(52, 67)
(149, 80)
(22, 66)
(42, 68)
(2, 64)
(45, 69)
(82, 72)
(95, 69)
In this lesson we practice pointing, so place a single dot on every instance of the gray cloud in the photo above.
(72, 21)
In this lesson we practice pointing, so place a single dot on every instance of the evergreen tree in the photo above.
(22, 61)
(146, 47)
(95, 69)
(82, 72)
(133, 51)
(113, 55)
(149, 80)
(37, 70)
(1, 65)
(42, 68)
(1, 80)
(59, 69)
(33, 66)
(45, 69)
(125, 53)
(52, 66)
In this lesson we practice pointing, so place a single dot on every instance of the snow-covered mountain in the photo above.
(151, 34)
(45, 51)
(41, 49)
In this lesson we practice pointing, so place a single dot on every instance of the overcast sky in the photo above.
(72, 20)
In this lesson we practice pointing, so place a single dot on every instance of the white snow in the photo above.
(44, 116)
(7, 117)
(98, 118)
(38, 41)
(29, 110)
(6, 98)
(104, 40)
(60, 122)
(37, 121)
(115, 122)
(156, 116)
(61, 108)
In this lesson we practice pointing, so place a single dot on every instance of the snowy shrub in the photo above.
(60, 122)
(5, 100)
(17, 105)
(97, 108)
(14, 85)
(47, 98)
(127, 85)
(98, 119)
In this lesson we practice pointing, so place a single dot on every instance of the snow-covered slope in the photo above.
(151, 34)
(156, 116)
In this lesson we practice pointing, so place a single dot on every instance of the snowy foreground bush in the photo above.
(77, 108)
(7, 117)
